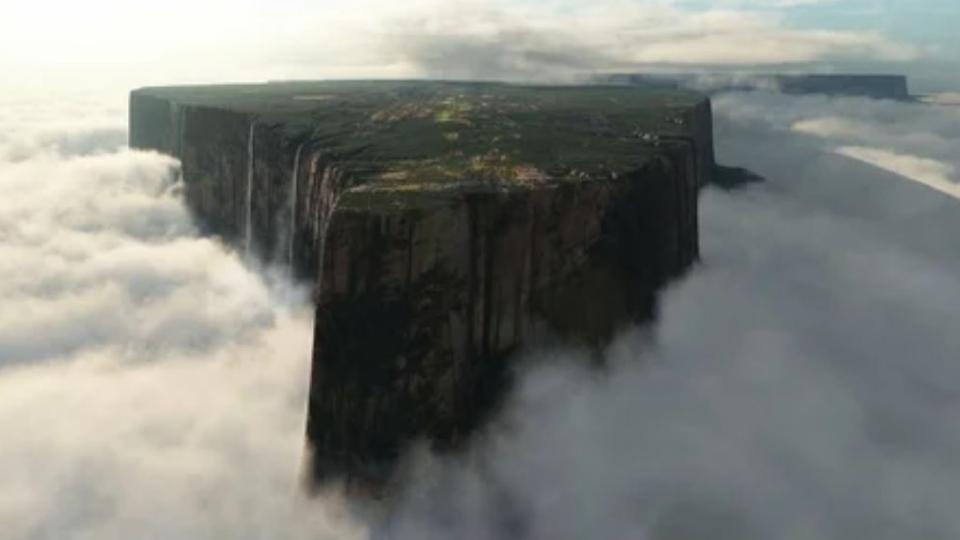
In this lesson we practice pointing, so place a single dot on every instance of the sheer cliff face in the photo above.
(443, 226)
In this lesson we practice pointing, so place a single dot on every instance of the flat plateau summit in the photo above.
(443, 226)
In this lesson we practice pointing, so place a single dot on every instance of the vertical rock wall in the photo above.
(480, 276)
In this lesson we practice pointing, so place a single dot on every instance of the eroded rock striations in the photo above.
(443, 225)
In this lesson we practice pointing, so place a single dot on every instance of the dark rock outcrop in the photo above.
(444, 225)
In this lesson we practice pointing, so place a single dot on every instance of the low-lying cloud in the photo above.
(151, 384)
(929, 172)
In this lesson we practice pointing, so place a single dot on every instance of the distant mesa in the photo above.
(893, 87)
(443, 226)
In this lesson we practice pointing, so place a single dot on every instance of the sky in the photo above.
(45, 44)
(925, 22)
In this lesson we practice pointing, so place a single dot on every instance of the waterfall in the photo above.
(248, 220)
(181, 127)
(175, 129)
(326, 198)
(294, 180)
(178, 115)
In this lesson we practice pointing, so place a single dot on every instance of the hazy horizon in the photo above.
(117, 44)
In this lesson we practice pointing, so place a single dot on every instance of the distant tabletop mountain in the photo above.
(893, 87)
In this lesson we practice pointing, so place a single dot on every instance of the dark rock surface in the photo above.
(444, 225)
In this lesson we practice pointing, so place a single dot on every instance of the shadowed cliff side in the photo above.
(444, 226)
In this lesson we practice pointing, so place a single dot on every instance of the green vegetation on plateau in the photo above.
(404, 135)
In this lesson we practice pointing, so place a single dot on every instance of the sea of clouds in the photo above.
(152, 385)
(802, 382)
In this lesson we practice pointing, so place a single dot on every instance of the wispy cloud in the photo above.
(496, 39)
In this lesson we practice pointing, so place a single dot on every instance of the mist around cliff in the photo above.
(801, 382)
(152, 384)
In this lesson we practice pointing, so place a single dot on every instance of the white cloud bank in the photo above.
(98, 40)
(151, 386)
(929, 172)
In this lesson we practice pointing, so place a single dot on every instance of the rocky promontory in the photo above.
(443, 227)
